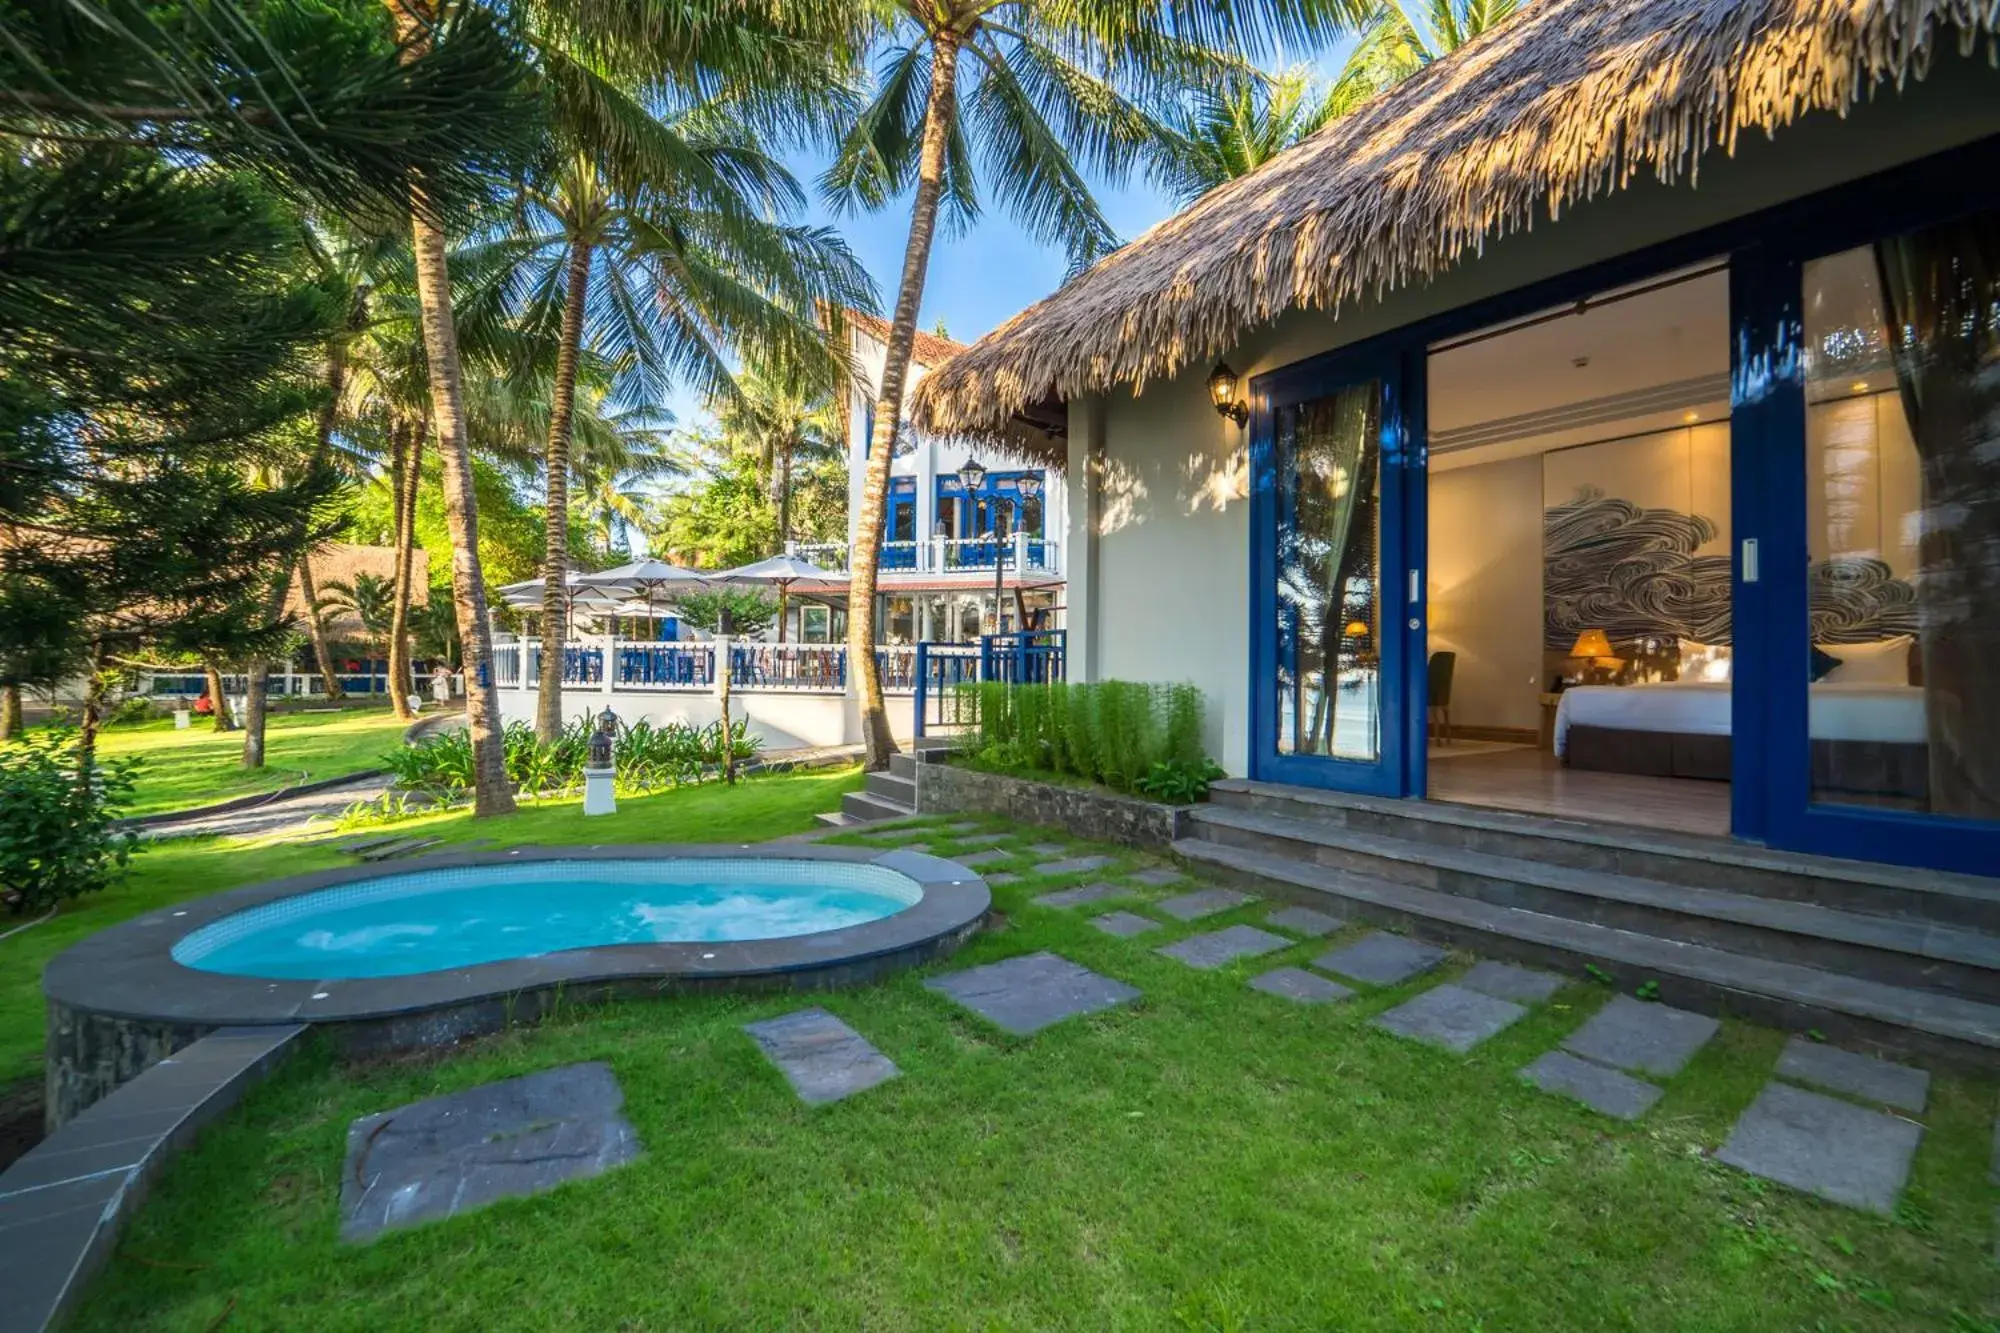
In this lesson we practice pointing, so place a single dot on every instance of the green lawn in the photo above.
(1209, 1157)
(200, 766)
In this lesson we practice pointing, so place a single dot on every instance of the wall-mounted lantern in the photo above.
(1222, 392)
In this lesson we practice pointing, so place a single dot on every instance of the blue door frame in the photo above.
(1398, 768)
(1771, 798)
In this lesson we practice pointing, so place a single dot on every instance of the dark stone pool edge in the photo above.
(63, 1203)
(118, 1003)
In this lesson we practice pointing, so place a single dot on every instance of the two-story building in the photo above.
(953, 556)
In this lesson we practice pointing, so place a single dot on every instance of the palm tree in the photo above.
(781, 419)
(1044, 88)
(369, 598)
(1241, 123)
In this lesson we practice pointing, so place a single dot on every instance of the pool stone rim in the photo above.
(128, 972)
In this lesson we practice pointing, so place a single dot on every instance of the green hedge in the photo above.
(1127, 735)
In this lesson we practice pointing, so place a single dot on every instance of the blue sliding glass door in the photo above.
(1335, 625)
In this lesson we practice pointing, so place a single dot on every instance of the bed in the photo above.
(1866, 738)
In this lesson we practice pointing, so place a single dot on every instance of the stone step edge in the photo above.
(1936, 941)
(1628, 837)
(1964, 1031)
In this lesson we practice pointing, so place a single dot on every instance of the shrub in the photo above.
(130, 713)
(1124, 734)
(645, 758)
(59, 838)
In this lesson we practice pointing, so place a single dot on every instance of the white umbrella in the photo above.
(643, 580)
(782, 572)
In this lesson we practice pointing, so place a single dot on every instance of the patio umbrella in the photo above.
(782, 572)
(644, 580)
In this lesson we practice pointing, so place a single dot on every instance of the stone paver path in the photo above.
(1024, 995)
(984, 858)
(1304, 921)
(1295, 983)
(1862, 1077)
(1824, 1146)
(1641, 1037)
(1158, 877)
(1601, 1089)
(1451, 1016)
(1381, 959)
(292, 816)
(1203, 902)
(1074, 865)
(1046, 848)
(1124, 925)
(449, 1155)
(984, 839)
(1506, 982)
(824, 1059)
(1086, 893)
(1221, 947)
(1000, 877)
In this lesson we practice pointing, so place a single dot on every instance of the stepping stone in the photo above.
(1024, 995)
(1304, 921)
(961, 828)
(1220, 947)
(1450, 1016)
(400, 847)
(1088, 893)
(1504, 981)
(452, 1154)
(824, 1059)
(1157, 877)
(355, 846)
(984, 839)
(999, 877)
(1046, 848)
(985, 858)
(1603, 1090)
(1203, 902)
(1381, 959)
(1075, 865)
(1295, 983)
(1824, 1146)
(1644, 1038)
(1124, 924)
(1859, 1076)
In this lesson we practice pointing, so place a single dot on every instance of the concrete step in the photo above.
(903, 766)
(1896, 1019)
(1901, 952)
(835, 819)
(867, 808)
(902, 790)
(1970, 901)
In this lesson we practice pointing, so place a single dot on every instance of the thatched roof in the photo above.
(1567, 100)
(340, 562)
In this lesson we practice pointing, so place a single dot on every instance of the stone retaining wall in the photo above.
(945, 788)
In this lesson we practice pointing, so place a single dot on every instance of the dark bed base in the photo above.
(1864, 768)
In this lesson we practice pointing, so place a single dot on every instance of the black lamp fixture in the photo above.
(1222, 392)
(1030, 485)
(971, 474)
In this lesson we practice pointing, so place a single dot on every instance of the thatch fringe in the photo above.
(1570, 100)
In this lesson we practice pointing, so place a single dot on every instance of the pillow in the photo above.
(1822, 664)
(1884, 662)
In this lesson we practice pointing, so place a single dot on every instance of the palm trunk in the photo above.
(220, 704)
(316, 631)
(939, 114)
(414, 21)
(10, 712)
(406, 455)
(256, 696)
(555, 562)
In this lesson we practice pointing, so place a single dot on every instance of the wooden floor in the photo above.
(1535, 781)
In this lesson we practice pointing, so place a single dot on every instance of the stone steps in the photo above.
(864, 807)
(1696, 976)
(1684, 859)
(1899, 951)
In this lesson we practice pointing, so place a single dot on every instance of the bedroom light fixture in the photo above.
(1222, 393)
(1592, 643)
(1356, 629)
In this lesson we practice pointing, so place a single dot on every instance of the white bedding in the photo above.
(1892, 714)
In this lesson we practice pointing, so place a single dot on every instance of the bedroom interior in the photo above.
(1580, 545)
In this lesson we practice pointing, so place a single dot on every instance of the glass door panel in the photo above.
(1902, 508)
(1328, 696)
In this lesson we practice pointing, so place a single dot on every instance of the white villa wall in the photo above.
(1158, 547)
(785, 719)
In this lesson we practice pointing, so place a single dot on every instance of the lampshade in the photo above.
(1356, 628)
(1030, 485)
(970, 474)
(1592, 643)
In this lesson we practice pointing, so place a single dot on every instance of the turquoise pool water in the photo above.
(439, 919)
